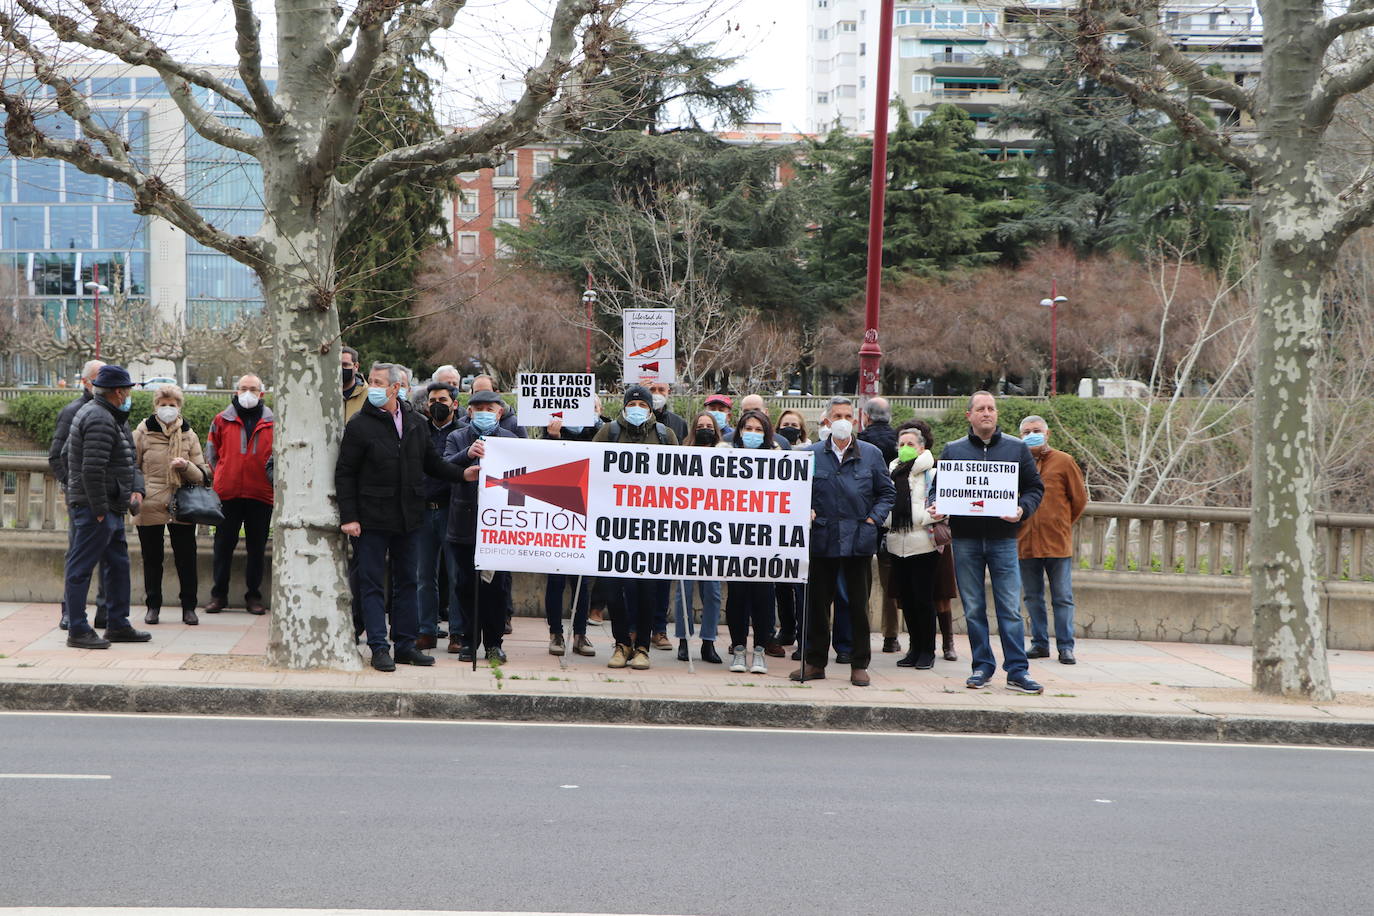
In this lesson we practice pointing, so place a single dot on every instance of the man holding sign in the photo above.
(987, 484)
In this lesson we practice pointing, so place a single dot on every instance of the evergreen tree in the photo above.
(379, 255)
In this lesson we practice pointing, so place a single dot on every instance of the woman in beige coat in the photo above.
(169, 455)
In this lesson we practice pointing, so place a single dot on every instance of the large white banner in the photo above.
(650, 342)
(662, 512)
(542, 397)
(977, 488)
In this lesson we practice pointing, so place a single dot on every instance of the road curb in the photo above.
(213, 700)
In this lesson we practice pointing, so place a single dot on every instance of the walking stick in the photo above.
(572, 617)
(476, 613)
(689, 624)
(805, 616)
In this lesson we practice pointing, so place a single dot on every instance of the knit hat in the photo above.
(638, 393)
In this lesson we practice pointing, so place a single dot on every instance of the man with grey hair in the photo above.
(448, 374)
(851, 496)
(239, 450)
(57, 462)
(1045, 543)
(878, 431)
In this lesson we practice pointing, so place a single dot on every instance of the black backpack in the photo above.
(659, 428)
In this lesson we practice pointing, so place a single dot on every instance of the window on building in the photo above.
(467, 244)
(503, 249)
(822, 34)
(863, 81)
(848, 25)
(507, 168)
(863, 15)
(467, 203)
(822, 4)
(919, 117)
(863, 48)
(847, 59)
(920, 82)
(71, 226)
(909, 47)
(822, 98)
(505, 205)
(847, 91)
(542, 163)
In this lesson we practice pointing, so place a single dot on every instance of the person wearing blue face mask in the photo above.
(555, 584)
(1045, 543)
(484, 622)
(719, 406)
(379, 480)
(752, 602)
(635, 602)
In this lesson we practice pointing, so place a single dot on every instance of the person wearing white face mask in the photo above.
(851, 496)
(169, 455)
(239, 450)
(663, 413)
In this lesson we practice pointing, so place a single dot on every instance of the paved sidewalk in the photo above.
(1118, 687)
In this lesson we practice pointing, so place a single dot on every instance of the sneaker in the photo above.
(1038, 652)
(556, 646)
(978, 680)
(760, 665)
(583, 646)
(620, 657)
(640, 661)
(737, 663)
(1021, 683)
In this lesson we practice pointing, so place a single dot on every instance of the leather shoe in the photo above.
(465, 654)
(64, 623)
(101, 619)
(255, 606)
(859, 678)
(890, 644)
(455, 645)
(908, 660)
(214, 605)
(583, 646)
(1038, 652)
(382, 660)
(844, 658)
(661, 641)
(189, 617)
(426, 641)
(682, 655)
(507, 630)
(496, 655)
(775, 650)
(812, 673)
(87, 640)
(796, 654)
(709, 653)
(787, 638)
(1066, 657)
(152, 615)
(413, 656)
(128, 634)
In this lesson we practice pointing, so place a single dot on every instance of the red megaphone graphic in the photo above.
(977, 504)
(564, 485)
(648, 367)
(557, 413)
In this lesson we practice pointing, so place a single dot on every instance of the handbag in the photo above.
(939, 531)
(197, 504)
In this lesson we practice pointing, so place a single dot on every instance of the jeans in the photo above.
(255, 518)
(790, 596)
(553, 602)
(430, 557)
(998, 557)
(99, 580)
(95, 542)
(484, 624)
(183, 538)
(1059, 570)
(842, 632)
(661, 597)
(750, 602)
(709, 592)
(825, 575)
(890, 595)
(635, 612)
(380, 552)
(913, 578)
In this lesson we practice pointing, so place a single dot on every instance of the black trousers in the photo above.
(913, 581)
(789, 600)
(485, 624)
(750, 602)
(635, 612)
(254, 518)
(183, 539)
(823, 580)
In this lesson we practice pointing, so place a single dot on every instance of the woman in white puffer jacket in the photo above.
(909, 542)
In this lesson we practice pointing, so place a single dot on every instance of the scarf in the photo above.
(900, 520)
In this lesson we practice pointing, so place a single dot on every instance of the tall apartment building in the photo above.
(61, 229)
(940, 52)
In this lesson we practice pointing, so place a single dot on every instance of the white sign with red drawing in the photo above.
(650, 342)
(977, 488)
(542, 397)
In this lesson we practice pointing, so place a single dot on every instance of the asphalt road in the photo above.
(283, 813)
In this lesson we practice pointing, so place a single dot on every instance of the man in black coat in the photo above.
(485, 623)
(103, 482)
(379, 478)
(57, 461)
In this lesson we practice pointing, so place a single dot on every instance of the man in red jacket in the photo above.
(239, 449)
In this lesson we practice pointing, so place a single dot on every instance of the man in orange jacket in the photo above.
(1045, 544)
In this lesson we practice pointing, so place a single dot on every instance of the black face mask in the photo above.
(347, 377)
(790, 433)
(706, 437)
(440, 412)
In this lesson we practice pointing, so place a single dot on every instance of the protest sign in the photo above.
(650, 344)
(542, 397)
(661, 512)
(979, 488)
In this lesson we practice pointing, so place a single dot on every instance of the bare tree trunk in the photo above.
(1290, 639)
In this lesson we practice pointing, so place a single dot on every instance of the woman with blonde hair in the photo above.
(169, 455)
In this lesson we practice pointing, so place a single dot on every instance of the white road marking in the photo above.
(715, 729)
(52, 776)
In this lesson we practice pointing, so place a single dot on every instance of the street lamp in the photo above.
(870, 353)
(1053, 304)
(589, 300)
(95, 288)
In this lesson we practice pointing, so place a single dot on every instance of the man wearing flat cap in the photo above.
(103, 482)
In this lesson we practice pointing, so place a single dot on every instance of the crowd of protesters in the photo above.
(406, 481)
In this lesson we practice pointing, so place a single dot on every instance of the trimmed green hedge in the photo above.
(37, 414)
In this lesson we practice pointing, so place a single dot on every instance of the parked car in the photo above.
(158, 381)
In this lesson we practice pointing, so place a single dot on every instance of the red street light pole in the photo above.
(1052, 304)
(870, 354)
